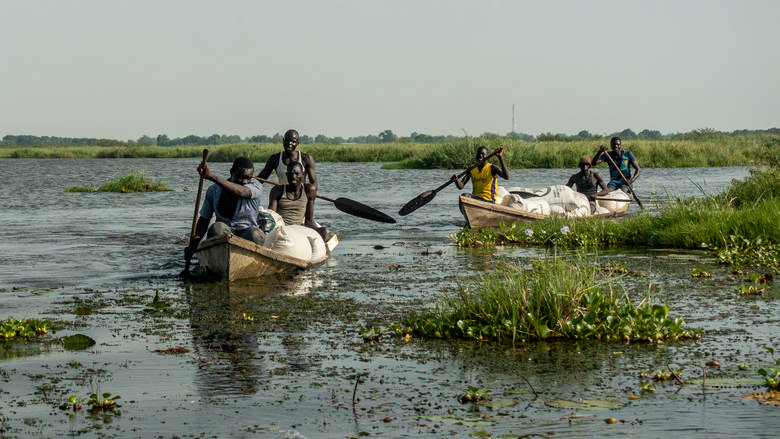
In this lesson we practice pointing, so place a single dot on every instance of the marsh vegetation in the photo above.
(136, 181)
(702, 149)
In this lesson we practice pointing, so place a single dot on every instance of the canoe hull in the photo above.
(234, 258)
(480, 214)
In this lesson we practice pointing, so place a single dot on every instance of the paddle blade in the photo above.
(355, 208)
(417, 202)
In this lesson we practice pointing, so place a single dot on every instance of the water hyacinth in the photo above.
(555, 298)
(529, 232)
(565, 230)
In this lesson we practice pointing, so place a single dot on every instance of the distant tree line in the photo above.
(386, 136)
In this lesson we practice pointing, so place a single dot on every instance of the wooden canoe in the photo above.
(232, 257)
(480, 214)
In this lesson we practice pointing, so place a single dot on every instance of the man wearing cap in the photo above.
(588, 182)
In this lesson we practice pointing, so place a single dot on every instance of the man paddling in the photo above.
(483, 176)
(624, 160)
(294, 201)
(234, 202)
(588, 182)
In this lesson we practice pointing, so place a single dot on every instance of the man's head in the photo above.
(291, 139)
(616, 144)
(242, 170)
(294, 173)
(584, 163)
(482, 152)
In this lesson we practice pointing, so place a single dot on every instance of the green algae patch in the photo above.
(77, 342)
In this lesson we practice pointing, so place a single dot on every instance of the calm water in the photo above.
(270, 358)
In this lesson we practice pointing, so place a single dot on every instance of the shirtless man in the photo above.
(294, 201)
(588, 182)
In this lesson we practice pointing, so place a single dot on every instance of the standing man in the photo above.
(279, 163)
(624, 160)
(234, 202)
(587, 181)
(483, 176)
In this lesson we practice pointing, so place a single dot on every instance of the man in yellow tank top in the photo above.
(483, 176)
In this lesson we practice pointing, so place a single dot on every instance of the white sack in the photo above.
(289, 241)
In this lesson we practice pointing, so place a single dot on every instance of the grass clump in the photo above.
(554, 298)
(136, 181)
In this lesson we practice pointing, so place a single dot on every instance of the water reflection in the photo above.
(552, 369)
(229, 320)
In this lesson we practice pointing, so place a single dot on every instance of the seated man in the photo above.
(234, 202)
(294, 201)
(483, 176)
(588, 182)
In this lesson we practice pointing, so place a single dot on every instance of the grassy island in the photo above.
(136, 181)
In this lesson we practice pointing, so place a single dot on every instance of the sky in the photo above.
(124, 69)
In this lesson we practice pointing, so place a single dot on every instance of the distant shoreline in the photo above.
(713, 149)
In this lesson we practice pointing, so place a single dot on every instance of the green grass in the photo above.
(692, 151)
(553, 298)
(134, 182)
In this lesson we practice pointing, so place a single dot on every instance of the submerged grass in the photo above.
(553, 298)
(136, 181)
(742, 224)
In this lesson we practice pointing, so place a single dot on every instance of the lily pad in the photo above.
(585, 404)
(729, 381)
(460, 420)
(77, 342)
(499, 403)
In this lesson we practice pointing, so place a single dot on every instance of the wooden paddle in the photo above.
(425, 197)
(351, 207)
(187, 255)
(633, 192)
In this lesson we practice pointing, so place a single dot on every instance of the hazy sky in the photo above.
(123, 69)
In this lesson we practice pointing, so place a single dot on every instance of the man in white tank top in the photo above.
(279, 162)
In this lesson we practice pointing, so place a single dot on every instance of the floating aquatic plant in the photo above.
(554, 299)
(104, 402)
(771, 374)
(23, 328)
(473, 394)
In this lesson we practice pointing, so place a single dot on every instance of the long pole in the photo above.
(194, 218)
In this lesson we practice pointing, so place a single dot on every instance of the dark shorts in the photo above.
(619, 184)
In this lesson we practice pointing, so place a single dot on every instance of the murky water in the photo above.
(266, 359)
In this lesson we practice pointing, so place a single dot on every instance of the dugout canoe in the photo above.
(232, 258)
(480, 214)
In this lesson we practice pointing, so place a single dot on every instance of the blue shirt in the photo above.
(625, 158)
(246, 209)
